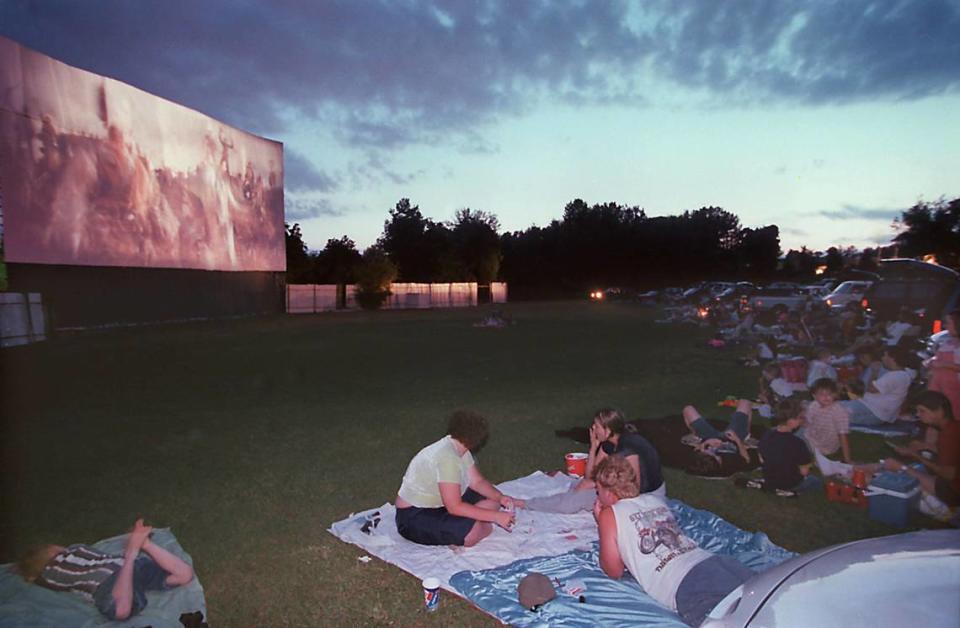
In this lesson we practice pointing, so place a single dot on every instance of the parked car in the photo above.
(910, 579)
(927, 289)
(778, 299)
(847, 292)
(736, 292)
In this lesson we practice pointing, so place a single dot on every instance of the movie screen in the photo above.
(96, 172)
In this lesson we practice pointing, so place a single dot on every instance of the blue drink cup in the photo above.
(431, 594)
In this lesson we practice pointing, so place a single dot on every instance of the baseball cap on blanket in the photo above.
(535, 590)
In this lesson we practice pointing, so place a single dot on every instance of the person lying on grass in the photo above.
(116, 585)
(939, 452)
(639, 533)
(444, 499)
(610, 435)
(710, 441)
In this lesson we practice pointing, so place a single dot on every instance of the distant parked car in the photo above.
(847, 292)
(927, 289)
(778, 299)
(910, 579)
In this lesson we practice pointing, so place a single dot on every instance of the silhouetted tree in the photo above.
(929, 228)
(834, 261)
(419, 247)
(337, 262)
(299, 266)
(476, 245)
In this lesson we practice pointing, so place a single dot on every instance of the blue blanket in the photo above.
(608, 602)
(26, 604)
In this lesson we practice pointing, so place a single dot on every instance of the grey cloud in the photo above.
(390, 74)
(306, 207)
(852, 212)
(300, 175)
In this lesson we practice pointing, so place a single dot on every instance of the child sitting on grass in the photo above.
(827, 422)
(820, 367)
(115, 584)
(784, 457)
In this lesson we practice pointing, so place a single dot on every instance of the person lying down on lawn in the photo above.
(638, 533)
(444, 499)
(610, 435)
(115, 584)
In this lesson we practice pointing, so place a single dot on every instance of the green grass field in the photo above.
(250, 437)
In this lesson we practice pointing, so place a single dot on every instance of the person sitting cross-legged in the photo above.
(784, 456)
(639, 533)
(444, 499)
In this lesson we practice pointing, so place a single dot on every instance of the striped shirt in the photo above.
(80, 569)
(825, 425)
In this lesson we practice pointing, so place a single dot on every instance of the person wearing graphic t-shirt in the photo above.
(638, 533)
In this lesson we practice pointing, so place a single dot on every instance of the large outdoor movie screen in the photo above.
(96, 172)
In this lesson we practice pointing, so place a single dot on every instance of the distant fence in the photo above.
(310, 298)
(21, 318)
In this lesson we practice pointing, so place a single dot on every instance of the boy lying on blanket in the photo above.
(638, 532)
(115, 584)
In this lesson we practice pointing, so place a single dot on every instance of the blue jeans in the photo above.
(739, 425)
(860, 414)
(809, 483)
(147, 576)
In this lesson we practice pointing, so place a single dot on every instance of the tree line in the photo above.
(606, 244)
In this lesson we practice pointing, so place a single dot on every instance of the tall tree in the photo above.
(931, 228)
(337, 262)
(417, 245)
(476, 244)
(298, 259)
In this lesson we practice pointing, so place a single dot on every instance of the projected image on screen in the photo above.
(96, 172)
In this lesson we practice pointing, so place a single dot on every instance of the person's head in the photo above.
(824, 391)
(31, 563)
(933, 408)
(772, 371)
(894, 358)
(866, 355)
(611, 421)
(823, 354)
(616, 480)
(469, 428)
(953, 323)
(788, 414)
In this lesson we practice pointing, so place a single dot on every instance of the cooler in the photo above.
(892, 495)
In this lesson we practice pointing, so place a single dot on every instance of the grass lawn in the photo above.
(250, 437)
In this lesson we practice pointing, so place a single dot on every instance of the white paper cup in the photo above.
(431, 594)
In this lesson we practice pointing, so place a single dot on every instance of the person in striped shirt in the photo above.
(117, 585)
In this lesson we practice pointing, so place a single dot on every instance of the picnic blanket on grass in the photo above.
(665, 435)
(561, 546)
(897, 428)
(26, 604)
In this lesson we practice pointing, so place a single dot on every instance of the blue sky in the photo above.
(826, 118)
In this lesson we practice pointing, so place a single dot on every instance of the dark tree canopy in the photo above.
(931, 228)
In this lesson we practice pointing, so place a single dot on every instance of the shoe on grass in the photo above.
(691, 440)
(743, 482)
(782, 492)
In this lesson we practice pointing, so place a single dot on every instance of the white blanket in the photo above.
(534, 534)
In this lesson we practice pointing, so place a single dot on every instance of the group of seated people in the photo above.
(445, 500)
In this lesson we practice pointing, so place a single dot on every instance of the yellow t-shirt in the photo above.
(435, 463)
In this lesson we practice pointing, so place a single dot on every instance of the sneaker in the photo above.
(691, 440)
(782, 492)
(744, 482)
(751, 442)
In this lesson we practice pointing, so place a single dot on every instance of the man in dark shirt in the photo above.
(784, 456)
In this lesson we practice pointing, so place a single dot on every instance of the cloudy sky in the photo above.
(826, 118)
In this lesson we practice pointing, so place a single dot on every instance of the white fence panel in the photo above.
(21, 318)
(498, 292)
(310, 298)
